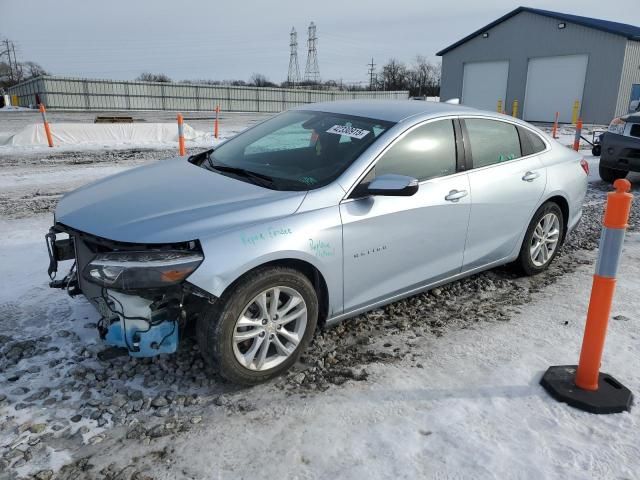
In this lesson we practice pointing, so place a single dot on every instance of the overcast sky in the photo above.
(200, 39)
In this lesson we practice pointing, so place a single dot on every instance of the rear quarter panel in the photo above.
(566, 178)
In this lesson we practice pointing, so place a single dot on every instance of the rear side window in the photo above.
(492, 141)
(428, 151)
(531, 143)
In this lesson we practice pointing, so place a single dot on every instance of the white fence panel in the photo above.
(59, 93)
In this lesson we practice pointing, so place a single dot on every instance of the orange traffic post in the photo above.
(181, 135)
(47, 130)
(215, 127)
(554, 132)
(576, 139)
(584, 386)
(514, 108)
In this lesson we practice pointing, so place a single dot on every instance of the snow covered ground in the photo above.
(440, 385)
(71, 136)
(21, 132)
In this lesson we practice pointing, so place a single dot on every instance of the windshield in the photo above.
(296, 150)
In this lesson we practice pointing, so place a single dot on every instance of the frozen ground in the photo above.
(441, 385)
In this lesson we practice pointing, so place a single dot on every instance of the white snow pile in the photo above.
(11, 108)
(102, 134)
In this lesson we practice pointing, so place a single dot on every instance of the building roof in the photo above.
(629, 31)
(389, 110)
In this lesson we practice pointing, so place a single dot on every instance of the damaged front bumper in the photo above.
(139, 290)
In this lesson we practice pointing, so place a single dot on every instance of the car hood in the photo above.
(170, 201)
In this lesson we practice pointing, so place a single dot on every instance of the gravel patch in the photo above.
(32, 200)
(77, 401)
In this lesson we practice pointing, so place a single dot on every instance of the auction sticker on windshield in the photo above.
(348, 131)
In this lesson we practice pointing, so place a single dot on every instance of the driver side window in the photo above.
(428, 151)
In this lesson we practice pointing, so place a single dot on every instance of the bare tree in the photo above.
(395, 75)
(424, 77)
(153, 77)
(32, 70)
(259, 80)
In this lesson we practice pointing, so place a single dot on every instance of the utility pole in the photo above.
(8, 52)
(372, 69)
(15, 63)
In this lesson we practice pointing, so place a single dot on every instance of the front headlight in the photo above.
(617, 126)
(141, 270)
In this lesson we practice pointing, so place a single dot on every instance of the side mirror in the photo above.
(634, 106)
(390, 185)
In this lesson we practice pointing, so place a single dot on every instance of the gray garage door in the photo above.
(484, 83)
(553, 85)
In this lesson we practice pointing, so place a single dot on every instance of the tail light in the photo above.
(585, 166)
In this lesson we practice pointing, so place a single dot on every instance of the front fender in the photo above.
(314, 237)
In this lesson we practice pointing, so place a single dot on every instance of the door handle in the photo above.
(530, 176)
(455, 195)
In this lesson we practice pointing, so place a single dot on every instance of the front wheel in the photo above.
(259, 329)
(611, 175)
(542, 240)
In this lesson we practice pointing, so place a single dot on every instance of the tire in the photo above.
(530, 262)
(596, 150)
(220, 337)
(611, 175)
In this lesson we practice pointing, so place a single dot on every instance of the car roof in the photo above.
(389, 110)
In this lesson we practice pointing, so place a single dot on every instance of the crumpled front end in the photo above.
(140, 291)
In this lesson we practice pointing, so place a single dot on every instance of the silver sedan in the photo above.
(312, 217)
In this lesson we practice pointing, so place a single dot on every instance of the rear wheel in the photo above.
(611, 175)
(259, 330)
(542, 240)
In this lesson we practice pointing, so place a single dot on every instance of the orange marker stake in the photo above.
(181, 148)
(576, 140)
(584, 386)
(616, 216)
(47, 130)
(554, 132)
(215, 127)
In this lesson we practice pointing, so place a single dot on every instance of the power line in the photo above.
(14, 69)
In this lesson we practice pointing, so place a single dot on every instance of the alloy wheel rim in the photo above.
(544, 240)
(270, 328)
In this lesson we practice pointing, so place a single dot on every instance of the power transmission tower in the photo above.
(372, 73)
(294, 70)
(312, 71)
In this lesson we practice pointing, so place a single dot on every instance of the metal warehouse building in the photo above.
(546, 61)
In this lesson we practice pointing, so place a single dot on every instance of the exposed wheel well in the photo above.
(564, 208)
(314, 276)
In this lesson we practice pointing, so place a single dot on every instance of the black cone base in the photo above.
(611, 396)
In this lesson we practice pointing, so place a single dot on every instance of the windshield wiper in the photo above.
(259, 177)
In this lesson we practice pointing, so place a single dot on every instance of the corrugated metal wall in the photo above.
(630, 76)
(59, 93)
(528, 35)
